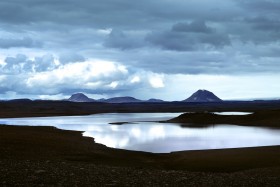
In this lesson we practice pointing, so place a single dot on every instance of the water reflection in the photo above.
(168, 137)
(156, 137)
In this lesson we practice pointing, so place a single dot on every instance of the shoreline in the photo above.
(269, 119)
(47, 156)
(266, 113)
(57, 142)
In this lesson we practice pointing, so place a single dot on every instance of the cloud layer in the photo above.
(53, 47)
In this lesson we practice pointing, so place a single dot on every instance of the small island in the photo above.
(261, 118)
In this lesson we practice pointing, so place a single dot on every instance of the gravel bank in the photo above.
(61, 173)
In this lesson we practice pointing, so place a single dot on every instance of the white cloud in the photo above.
(156, 81)
(93, 77)
(113, 85)
(87, 73)
(51, 97)
(104, 31)
(135, 79)
(2, 77)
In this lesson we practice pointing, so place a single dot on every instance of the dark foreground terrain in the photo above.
(46, 156)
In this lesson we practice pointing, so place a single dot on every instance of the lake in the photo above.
(143, 135)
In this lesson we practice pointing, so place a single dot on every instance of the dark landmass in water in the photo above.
(269, 118)
(122, 123)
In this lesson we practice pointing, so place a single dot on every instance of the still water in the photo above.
(155, 137)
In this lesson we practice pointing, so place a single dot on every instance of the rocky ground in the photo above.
(61, 173)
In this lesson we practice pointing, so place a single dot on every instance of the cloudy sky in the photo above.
(165, 49)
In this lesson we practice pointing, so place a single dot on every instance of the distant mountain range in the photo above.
(199, 96)
(80, 97)
(203, 96)
(121, 100)
(155, 100)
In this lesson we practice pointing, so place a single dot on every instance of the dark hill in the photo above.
(122, 100)
(80, 97)
(155, 100)
(268, 118)
(203, 96)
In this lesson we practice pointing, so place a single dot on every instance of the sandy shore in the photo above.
(46, 156)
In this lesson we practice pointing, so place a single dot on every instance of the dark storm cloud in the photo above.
(14, 12)
(120, 40)
(172, 41)
(70, 26)
(44, 63)
(186, 37)
(160, 36)
(262, 6)
(22, 42)
(263, 20)
(70, 57)
(116, 13)
(264, 23)
(13, 63)
(21, 63)
(71, 12)
(197, 26)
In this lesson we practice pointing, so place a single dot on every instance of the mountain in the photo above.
(19, 100)
(80, 97)
(122, 100)
(203, 96)
(155, 100)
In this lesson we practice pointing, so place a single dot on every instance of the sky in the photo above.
(165, 49)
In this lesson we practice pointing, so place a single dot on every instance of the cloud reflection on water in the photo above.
(156, 137)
